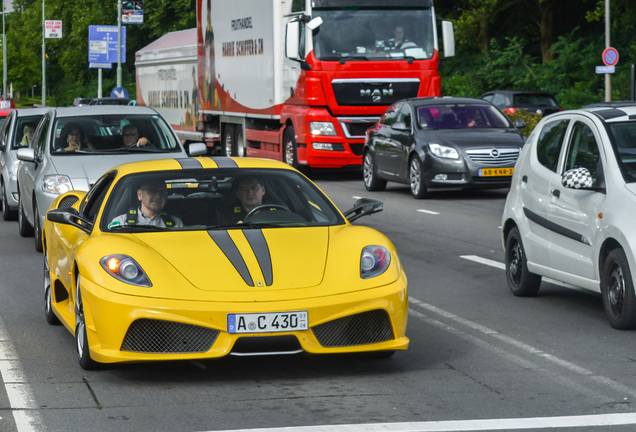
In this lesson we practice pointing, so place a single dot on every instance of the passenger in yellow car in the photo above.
(153, 197)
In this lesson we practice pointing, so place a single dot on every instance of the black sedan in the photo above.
(441, 143)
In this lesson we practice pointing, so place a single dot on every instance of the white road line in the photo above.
(23, 405)
(620, 419)
(427, 212)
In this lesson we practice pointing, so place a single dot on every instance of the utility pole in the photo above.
(43, 58)
(118, 43)
(608, 77)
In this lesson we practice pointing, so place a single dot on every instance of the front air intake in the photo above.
(162, 337)
(360, 329)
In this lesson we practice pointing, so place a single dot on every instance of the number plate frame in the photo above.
(496, 172)
(267, 322)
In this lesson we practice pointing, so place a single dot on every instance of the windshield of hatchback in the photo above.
(209, 199)
(461, 116)
(99, 134)
(625, 148)
(374, 34)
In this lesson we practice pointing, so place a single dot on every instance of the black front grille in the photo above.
(497, 157)
(364, 92)
(67, 201)
(360, 329)
(157, 336)
(356, 148)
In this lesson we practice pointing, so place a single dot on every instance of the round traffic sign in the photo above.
(610, 56)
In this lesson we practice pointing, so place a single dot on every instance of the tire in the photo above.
(617, 288)
(37, 229)
(81, 334)
(418, 187)
(371, 180)
(51, 318)
(239, 141)
(24, 227)
(227, 140)
(7, 213)
(521, 282)
(290, 148)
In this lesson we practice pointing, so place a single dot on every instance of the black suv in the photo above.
(510, 101)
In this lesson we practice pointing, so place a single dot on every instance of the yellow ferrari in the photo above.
(198, 258)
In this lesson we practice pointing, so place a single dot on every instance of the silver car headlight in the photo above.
(322, 128)
(374, 261)
(443, 151)
(14, 169)
(125, 269)
(56, 184)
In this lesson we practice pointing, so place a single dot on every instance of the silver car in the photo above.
(569, 215)
(16, 132)
(73, 147)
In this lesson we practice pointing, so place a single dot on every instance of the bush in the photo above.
(531, 120)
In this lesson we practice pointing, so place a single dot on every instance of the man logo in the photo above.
(376, 94)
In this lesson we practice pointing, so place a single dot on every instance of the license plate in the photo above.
(495, 172)
(270, 322)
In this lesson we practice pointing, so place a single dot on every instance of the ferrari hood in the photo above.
(235, 260)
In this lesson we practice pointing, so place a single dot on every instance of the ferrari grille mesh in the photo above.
(360, 329)
(157, 336)
(67, 201)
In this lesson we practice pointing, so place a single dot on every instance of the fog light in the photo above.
(322, 146)
(442, 177)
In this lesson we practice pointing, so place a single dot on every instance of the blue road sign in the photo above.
(103, 44)
(119, 92)
(610, 56)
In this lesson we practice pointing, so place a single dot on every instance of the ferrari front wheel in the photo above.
(81, 333)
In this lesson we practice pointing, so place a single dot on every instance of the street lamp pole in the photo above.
(4, 56)
(43, 59)
(608, 77)
(118, 43)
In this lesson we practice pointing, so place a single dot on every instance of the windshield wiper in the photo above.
(343, 60)
(138, 227)
(244, 225)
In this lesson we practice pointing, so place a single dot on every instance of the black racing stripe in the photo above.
(227, 246)
(257, 241)
(559, 229)
(224, 162)
(189, 163)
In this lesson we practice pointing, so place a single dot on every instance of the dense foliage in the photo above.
(550, 45)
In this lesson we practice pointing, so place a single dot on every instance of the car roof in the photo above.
(90, 110)
(25, 112)
(446, 100)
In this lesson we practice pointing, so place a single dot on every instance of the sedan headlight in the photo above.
(14, 169)
(125, 269)
(322, 129)
(443, 151)
(57, 184)
(374, 261)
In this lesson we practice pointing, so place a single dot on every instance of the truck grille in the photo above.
(360, 329)
(381, 91)
(158, 336)
(355, 127)
(494, 156)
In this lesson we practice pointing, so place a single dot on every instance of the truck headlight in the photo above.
(443, 151)
(322, 129)
(57, 184)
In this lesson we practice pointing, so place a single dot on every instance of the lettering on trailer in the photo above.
(169, 99)
(243, 48)
(168, 74)
(242, 23)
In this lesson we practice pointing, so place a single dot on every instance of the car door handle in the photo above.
(556, 193)
(524, 179)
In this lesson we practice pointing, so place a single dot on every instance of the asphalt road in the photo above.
(479, 359)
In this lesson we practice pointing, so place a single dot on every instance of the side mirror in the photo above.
(448, 34)
(520, 123)
(26, 154)
(197, 149)
(363, 207)
(292, 38)
(314, 23)
(401, 126)
(578, 178)
(69, 216)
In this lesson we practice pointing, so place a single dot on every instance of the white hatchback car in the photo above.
(571, 208)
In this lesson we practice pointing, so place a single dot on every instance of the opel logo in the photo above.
(494, 153)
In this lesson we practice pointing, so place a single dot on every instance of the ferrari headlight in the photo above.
(56, 184)
(322, 128)
(374, 261)
(443, 151)
(125, 269)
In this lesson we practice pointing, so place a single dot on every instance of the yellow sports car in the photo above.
(198, 258)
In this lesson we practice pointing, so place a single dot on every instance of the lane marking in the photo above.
(428, 212)
(619, 419)
(23, 406)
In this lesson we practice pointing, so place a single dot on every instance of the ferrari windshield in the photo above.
(216, 199)
(379, 33)
(98, 134)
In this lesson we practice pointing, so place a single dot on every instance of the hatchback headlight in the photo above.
(57, 184)
(125, 269)
(322, 129)
(374, 261)
(443, 151)
(14, 168)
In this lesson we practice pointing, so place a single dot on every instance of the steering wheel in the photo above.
(263, 207)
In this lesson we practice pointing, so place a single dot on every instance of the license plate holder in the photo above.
(267, 322)
(496, 172)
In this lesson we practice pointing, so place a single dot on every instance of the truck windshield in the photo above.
(374, 34)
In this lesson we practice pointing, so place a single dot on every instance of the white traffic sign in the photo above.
(53, 29)
(605, 69)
